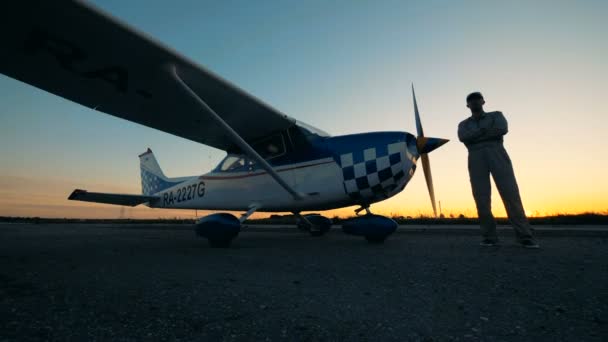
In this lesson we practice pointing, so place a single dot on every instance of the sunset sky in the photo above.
(345, 67)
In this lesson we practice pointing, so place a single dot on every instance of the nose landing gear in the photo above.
(374, 228)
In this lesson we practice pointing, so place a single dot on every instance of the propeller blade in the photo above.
(419, 130)
(424, 146)
(426, 166)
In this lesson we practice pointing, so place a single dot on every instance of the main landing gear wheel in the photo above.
(320, 224)
(219, 229)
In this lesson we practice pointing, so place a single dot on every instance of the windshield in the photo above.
(311, 129)
(235, 162)
(231, 163)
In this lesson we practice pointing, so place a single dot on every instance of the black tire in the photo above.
(375, 239)
(220, 243)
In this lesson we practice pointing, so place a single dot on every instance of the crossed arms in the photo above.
(471, 135)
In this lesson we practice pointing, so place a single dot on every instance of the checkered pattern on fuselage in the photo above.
(374, 172)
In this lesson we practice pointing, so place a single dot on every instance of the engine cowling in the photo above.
(218, 228)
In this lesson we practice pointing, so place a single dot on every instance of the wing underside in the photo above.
(117, 199)
(77, 52)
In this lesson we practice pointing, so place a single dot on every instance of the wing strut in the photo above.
(252, 209)
(236, 138)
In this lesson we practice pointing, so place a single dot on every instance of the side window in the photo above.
(232, 163)
(271, 147)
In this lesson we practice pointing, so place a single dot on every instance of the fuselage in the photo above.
(332, 172)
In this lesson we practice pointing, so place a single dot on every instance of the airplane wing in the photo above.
(118, 199)
(75, 51)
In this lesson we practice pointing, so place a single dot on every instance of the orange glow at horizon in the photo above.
(22, 197)
(345, 69)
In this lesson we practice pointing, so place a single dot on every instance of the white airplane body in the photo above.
(321, 180)
(273, 164)
(237, 192)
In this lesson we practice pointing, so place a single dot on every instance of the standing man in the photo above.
(482, 133)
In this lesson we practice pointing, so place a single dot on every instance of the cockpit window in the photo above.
(268, 148)
(235, 162)
(232, 163)
(271, 147)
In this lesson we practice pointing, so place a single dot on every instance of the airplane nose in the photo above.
(426, 145)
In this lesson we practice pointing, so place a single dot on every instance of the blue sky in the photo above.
(345, 67)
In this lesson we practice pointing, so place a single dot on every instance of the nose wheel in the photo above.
(374, 228)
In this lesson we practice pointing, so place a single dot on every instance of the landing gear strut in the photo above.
(363, 207)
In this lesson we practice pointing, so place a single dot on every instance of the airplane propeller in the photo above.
(426, 145)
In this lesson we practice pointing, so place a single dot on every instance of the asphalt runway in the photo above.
(153, 283)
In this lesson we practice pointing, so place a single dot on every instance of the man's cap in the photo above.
(474, 96)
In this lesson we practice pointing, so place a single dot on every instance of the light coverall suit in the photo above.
(483, 138)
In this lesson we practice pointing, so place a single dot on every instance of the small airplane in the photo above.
(273, 162)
